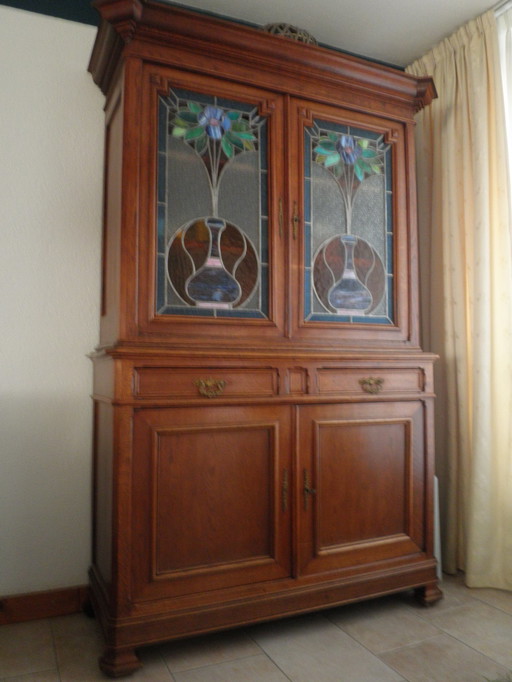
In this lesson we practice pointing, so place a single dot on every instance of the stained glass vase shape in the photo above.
(349, 296)
(212, 286)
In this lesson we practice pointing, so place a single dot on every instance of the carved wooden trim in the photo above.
(169, 26)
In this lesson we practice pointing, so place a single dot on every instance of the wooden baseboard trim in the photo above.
(35, 605)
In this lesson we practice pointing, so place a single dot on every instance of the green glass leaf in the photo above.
(369, 153)
(240, 125)
(195, 107)
(187, 116)
(332, 137)
(365, 166)
(359, 173)
(325, 147)
(363, 142)
(235, 140)
(233, 115)
(193, 133)
(201, 145)
(249, 146)
(376, 168)
(227, 147)
(320, 159)
(178, 131)
(331, 160)
(244, 136)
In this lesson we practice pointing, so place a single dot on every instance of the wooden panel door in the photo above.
(361, 484)
(209, 502)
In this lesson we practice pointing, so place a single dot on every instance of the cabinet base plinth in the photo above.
(428, 594)
(119, 662)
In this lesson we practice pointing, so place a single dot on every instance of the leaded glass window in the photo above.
(212, 207)
(348, 225)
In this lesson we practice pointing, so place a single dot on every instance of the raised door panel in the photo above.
(361, 487)
(211, 176)
(208, 507)
(353, 234)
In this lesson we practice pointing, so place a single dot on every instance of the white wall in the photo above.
(51, 155)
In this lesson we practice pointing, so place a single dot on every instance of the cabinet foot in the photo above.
(119, 662)
(428, 594)
(88, 609)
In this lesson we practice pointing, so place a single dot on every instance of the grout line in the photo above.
(54, 646)
(269, 657)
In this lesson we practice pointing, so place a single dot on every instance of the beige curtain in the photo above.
(504, 24)
(467, 298)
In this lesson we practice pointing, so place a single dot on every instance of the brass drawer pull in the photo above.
(210, 388)
(371, 384)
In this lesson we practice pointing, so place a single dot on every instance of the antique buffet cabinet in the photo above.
(263, 410)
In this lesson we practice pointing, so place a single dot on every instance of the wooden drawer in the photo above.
(204, 382)
(373, 381)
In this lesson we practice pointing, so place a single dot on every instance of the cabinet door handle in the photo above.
(284, 491)
(295, 219)
(307, 490)
(281, 218)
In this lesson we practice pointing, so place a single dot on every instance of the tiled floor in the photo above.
(467, 637)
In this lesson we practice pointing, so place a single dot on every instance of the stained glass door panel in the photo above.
(212, 207)
(348, 225)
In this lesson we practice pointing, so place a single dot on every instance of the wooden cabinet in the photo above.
(263, 410)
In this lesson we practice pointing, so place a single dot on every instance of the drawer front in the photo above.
(373, 381)
(204, 382)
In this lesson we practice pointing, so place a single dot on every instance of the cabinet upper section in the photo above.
(173, 35)
(258, 192)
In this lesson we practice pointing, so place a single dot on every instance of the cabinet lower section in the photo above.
(214, 515)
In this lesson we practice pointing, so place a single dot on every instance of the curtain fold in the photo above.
(504, 25)
(466, 297)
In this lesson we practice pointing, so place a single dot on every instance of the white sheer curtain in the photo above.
(467, 297)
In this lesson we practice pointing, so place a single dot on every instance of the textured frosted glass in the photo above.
(188, 193)
(239, 194)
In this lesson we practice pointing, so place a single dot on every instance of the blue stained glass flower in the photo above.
(214, 121)
(348, 149)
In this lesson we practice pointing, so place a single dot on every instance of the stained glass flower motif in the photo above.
(346, 154)
(348, 149)
(198, 125)
(214, 121)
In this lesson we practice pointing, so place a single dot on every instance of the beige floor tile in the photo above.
(497, 598)
(208, 650)
(311, 648)
(253, 669)
(482, 627)
(442, 659)
(26, 648)
(79, 644)
(43, 676)
(381, 625)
